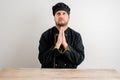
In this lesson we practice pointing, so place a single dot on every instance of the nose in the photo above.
(61, 15)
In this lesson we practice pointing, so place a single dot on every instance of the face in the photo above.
(61, 18)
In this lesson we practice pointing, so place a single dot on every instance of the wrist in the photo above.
(57, 46)
(66, 46)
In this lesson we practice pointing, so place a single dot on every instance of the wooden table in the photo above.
(58, 74)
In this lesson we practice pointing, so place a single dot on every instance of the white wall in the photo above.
(23, 21)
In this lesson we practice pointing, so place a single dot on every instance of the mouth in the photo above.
(61, 20)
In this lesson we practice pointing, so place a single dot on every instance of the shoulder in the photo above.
(48, 32)
(73, 32)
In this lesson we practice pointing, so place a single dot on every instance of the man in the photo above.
(61, 46)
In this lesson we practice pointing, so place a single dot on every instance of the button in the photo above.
(65, 64)
(65, 34)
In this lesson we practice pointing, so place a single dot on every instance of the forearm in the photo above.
(47, 56)
(75, 56)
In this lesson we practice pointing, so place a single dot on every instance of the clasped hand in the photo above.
(61, 39)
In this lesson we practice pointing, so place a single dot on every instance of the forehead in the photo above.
(61, 11)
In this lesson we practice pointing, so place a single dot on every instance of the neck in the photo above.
(64, 27)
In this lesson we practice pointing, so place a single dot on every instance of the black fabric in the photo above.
(60, 6)
(51, 57)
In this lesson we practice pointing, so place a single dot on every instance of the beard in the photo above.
(61, 24)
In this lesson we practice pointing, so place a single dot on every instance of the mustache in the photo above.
(61, 19)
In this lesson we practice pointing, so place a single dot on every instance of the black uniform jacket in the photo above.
(51, 57)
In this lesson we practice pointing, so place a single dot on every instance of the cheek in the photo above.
(55, 19)
(67, 18)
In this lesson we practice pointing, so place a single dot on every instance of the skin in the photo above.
(61, 19)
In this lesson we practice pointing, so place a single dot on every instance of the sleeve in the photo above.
(75, 53)
(46, 53)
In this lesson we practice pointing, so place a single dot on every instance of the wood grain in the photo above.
(58, 74)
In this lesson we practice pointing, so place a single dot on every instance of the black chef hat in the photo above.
(60, 6)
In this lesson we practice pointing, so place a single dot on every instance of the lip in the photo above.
(60, 19)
